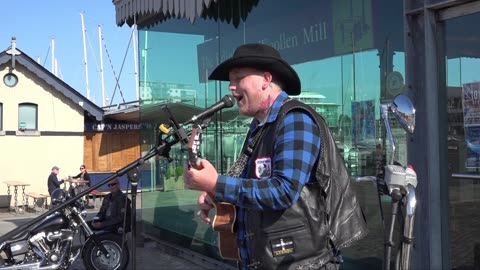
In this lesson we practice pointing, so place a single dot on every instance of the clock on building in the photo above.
(10, 79)
(394, 83)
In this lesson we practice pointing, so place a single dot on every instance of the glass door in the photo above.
(462, 49)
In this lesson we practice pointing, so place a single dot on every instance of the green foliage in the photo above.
(170, 172)
(179, 171)
(174, 172)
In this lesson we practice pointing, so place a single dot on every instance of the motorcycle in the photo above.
(398, 182)
(49, 243)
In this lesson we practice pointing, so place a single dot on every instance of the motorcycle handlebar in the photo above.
(367, 178)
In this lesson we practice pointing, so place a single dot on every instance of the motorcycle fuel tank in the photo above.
(53, 222)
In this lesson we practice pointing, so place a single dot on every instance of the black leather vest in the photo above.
(325, 218)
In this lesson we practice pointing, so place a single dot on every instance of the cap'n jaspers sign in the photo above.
(112, 126)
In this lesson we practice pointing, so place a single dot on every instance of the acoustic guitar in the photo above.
(225, 213)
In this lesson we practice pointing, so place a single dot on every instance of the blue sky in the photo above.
(40, 21)
(35, 23)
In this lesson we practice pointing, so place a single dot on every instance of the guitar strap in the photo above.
(237, 168)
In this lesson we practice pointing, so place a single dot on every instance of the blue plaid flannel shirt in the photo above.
(296, 148)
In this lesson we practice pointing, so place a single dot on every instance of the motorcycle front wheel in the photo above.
(94, 259)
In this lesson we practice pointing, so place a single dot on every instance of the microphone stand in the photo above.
(134, 177)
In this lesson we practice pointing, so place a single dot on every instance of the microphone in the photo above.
(226, 102)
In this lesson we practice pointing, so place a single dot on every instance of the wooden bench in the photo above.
(39, 200)
(97, 193)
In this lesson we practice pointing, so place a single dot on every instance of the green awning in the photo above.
(150, 12)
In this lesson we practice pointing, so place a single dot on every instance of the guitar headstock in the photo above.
(193, 147)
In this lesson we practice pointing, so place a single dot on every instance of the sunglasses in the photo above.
(112, 184)
(81, 168)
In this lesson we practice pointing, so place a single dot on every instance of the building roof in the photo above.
(154, 113)
(146, 13)
(21, 58)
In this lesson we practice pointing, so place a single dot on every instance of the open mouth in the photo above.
(239, 98)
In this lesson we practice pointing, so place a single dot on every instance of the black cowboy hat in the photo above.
(262, 57)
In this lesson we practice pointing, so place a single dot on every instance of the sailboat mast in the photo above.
(53, 55)
(134, 38)
(56, 67)
(85, 56)
(145, 55)
(100, 46)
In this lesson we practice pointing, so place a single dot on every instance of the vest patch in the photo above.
(282, 246)
(263, 167)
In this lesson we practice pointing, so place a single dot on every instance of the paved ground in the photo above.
(150, 254)
(464, 231)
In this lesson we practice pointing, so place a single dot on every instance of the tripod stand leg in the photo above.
(134, 176)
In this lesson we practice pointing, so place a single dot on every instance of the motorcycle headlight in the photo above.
(84, 213)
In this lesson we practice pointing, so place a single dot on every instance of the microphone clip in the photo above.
(178, 130)
(202, 122)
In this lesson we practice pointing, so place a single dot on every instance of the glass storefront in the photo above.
(349, 56)
(463, 107)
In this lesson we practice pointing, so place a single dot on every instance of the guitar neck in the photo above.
(211, 198)
(194, 147)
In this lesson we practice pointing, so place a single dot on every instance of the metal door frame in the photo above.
(424, 32)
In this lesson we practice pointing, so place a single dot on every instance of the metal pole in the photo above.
(56, 67)
(407, 242)
(145, 62)
(53, 55)
(85, 56)
(135, 65)
(134, 224)
(396, 197)
(100, 47)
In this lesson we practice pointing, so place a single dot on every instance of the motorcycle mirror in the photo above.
(404, 112)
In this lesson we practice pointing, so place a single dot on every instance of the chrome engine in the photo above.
(38, 241)
(50, 250)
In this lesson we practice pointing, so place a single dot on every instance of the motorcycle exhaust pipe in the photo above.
(31, 266)
(65, 250)
(23, 266)
(27, 266)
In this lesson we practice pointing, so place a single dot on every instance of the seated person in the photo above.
(83, 175)
(112, 213)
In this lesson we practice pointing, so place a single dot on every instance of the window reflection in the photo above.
(462, 91)
(349, 57)
(27, 116)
